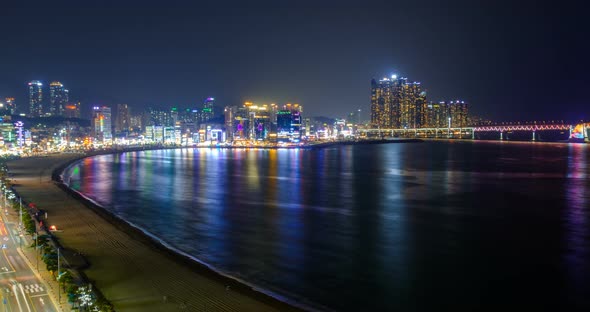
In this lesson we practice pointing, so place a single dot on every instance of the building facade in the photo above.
(397, 103)
(35, 89)
(208, 111)
(123, 120)
(458, 114)
(58, 98)
(9, 106)
(101, 124)
(72, 110)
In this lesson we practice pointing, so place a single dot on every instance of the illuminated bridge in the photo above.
(577, 132)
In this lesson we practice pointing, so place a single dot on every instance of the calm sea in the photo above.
(410, 226)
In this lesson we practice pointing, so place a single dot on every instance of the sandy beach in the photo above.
(129, 270)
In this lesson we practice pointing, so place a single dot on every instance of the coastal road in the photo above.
(21, 289)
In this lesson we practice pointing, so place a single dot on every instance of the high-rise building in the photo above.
(412, 100)
(123, 121)
(458, 114)
(229, 113)
(101, 124)
(284, 121)
(259, 121)
(135, 123)
(35, 98)
(160, 117)
(72, 110)
(58, 98)
(240, 123)
(208, 111)
(289, 123)
(397, 103)
(436, 115)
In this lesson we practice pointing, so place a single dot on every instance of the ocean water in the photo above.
(409, 226)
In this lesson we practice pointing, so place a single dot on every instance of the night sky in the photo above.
(510, 61)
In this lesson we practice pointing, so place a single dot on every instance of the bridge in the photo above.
(576, 132)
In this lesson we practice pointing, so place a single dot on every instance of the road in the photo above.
(21, 289)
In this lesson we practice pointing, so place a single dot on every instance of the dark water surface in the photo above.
(372, 227)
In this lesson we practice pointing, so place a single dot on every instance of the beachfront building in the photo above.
(101, 125)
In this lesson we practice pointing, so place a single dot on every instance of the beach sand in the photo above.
(128, 268)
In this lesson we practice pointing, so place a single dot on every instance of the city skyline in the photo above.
(502, 61)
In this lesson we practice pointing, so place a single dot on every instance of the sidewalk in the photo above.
(28, 254)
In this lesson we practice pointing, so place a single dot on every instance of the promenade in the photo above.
(131, 273)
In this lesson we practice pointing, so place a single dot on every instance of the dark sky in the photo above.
(524, 60)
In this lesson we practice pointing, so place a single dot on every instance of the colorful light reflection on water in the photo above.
(375, 227)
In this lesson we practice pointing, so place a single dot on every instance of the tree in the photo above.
(50, 260)
(65, 279)
(41, 241)
(51, 264)
(30, 226)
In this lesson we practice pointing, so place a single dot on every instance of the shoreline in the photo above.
(274, 300)
(151, 239)
(151, 276)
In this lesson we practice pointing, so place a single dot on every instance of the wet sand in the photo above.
(129, 269)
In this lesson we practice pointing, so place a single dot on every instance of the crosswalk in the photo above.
(29, 289)
(33, 288)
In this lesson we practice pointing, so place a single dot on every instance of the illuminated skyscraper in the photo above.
(101, 124)
(123, 121)
(436, 115)
(35, 98)
(289, 123)
(160, 117)
(229, 114)
(58, 98)
(208, 111)
(412, 100)
(458, 113)
(396, 104)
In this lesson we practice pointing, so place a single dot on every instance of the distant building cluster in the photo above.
(397, 103)
(50, 120)
(264, 122)
(58, 103)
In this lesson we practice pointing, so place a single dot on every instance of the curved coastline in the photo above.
(178, 280)
(155, 241)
